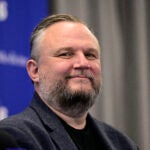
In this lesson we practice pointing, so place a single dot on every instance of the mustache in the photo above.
(82, 74)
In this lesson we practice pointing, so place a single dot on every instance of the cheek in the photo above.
(96, 69)
(59, 70)
(97, 75)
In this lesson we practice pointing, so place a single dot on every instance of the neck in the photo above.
(75, 122)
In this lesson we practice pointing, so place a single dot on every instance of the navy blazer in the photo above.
(38, 128)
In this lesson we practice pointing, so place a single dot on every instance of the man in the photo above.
(66, 72)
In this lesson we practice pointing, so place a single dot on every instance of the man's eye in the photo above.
(91, 56)
(65, 55)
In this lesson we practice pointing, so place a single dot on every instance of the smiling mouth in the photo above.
(80, 77)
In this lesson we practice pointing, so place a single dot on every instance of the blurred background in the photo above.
(122, 27)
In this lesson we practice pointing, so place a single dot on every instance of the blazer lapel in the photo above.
(62, 139)
(54, 127)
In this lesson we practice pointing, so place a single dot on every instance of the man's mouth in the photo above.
(80, 76)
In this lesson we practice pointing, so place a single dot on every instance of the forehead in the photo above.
(69, 33)
(65, 27)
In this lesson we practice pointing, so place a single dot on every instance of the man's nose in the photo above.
(81, 62)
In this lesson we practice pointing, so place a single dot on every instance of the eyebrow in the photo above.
(65, 49)
(73, 49)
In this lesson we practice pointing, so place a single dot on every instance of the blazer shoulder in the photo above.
(26, 128)
(21, 121)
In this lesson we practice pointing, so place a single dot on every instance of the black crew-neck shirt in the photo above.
(84, 139)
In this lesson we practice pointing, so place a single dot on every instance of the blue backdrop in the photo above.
(17, 20)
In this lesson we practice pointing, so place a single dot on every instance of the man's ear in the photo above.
(32, 69)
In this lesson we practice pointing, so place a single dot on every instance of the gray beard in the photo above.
(68, 102)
